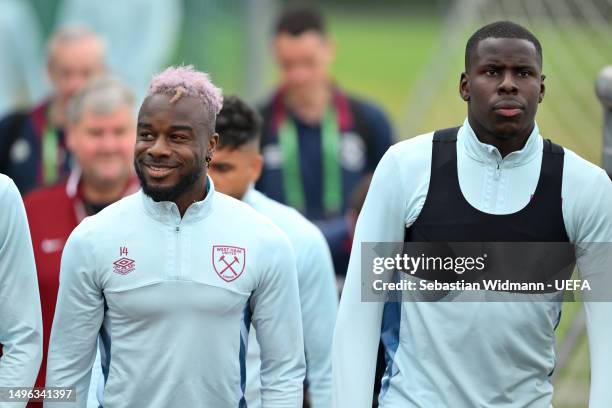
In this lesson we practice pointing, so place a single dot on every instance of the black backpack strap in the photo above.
(444, 176)
(446, 135)
(553, 148)
(10, 127)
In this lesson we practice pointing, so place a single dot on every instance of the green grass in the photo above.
(212, 41)
(382, 57)
(572, 385)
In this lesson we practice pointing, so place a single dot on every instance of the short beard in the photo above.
(504, 136)
(171, 193)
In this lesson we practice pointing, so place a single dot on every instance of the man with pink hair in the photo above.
(173, 276)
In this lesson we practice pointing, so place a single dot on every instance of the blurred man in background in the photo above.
(100, 133)
(32, 146)
(20, 323)
(317, 141)
(235, 167)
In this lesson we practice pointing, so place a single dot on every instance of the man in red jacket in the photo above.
(101, 136)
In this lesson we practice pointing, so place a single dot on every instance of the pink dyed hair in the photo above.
(186, 81)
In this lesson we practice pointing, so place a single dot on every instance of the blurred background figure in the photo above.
(100, 133)
(142, 34)
(21, 82)
(32, 146)
(341, 239)
(603, 87)
(20, 322)
(235, 167)
(318, 142)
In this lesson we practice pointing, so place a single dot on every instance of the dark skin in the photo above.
(503, 85)
(173, 140)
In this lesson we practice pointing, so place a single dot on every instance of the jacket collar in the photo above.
(488, 154)
(251, 196)
(167, 211)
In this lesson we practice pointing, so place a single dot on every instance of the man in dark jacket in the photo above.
(317, 142)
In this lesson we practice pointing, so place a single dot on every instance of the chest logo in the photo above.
(228, 261)
(124, 265)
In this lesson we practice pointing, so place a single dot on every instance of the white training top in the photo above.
(173, 299)
(468, 354)
(318, 299)
(20, 315)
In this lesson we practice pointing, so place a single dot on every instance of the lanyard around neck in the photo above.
(292, 179)
(49, 155)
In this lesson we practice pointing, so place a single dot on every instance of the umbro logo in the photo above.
(124, 265)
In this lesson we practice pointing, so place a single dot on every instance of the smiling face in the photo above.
(503, 85)
(172, 142)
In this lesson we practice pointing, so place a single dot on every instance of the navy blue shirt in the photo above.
(21, 156)
(360, 150)
(365, 135)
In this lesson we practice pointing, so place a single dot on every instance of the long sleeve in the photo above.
(357, 331)
(319, 302)
(594, 238)
(20, 314)
(278, 324)
(78, 317)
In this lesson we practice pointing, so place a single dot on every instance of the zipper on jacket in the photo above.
(497, 171)
(177, 251)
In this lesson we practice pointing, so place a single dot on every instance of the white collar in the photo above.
(485, 153)
(251, 195)
(167, 212)
(72, 184)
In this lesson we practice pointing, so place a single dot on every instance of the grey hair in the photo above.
(103, 95)
(73, 33)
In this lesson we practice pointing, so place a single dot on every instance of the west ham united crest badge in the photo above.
(228, 261)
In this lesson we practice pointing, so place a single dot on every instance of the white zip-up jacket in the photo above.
(469, 354)
(318, 300)
(173, 299)
(20, 316)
